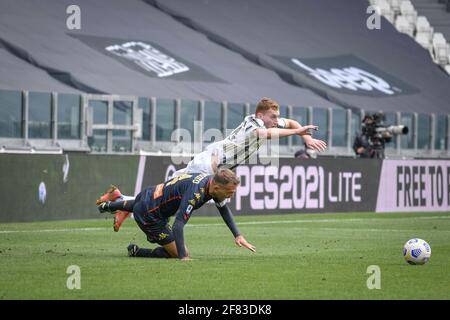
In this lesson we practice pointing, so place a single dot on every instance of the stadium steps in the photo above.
(238, 29)
(256, 58)
(427, 21)
(436, 14)
(61, 76)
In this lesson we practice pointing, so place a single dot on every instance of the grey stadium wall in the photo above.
(73, 182)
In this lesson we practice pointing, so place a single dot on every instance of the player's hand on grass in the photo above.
(186, 259)
(241, 242)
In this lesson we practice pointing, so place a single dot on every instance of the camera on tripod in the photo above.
(374, 136)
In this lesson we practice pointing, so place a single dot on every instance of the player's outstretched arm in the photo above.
(178, 233)
(293, 124)
(310, 142)
(181, 218)
(228, 218)
(277, 133)
(239, 239)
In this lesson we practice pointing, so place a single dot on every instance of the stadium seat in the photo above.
(447, 68)
(424, 32)
(395, 6)
(422, 25)
(384, 9)
(440, 49)
(407, 10)
(438, 39)
(403, 25)
(424, 39)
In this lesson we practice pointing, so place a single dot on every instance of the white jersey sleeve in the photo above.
(241, 143)
(282, 123)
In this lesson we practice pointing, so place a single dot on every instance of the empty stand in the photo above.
(319, 41)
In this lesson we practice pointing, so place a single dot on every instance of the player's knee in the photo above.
(171, 250)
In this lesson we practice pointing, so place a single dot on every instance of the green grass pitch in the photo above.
(301, 256)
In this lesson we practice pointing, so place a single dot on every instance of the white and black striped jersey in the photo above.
(241, 143)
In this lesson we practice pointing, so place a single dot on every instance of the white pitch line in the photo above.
(318, 220)
(52, 230)
(249, 223)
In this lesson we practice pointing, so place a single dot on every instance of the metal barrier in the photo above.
(55, 122)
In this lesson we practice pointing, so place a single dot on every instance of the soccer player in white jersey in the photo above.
(237, 147)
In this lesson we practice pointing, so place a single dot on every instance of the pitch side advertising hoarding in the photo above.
(413, 185)
(328, 185)
(325, 185)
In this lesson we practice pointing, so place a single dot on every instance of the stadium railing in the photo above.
(44, 122)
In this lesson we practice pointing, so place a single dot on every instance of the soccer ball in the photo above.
(416, 251)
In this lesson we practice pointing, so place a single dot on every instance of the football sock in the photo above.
(158, 252)
(126, 205)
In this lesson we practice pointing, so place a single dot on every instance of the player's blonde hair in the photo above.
(225, 176)
(266, 104)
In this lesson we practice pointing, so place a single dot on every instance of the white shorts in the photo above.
(200, 164)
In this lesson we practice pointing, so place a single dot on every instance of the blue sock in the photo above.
(158, 252)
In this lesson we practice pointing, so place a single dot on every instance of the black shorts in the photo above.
(157, 229)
